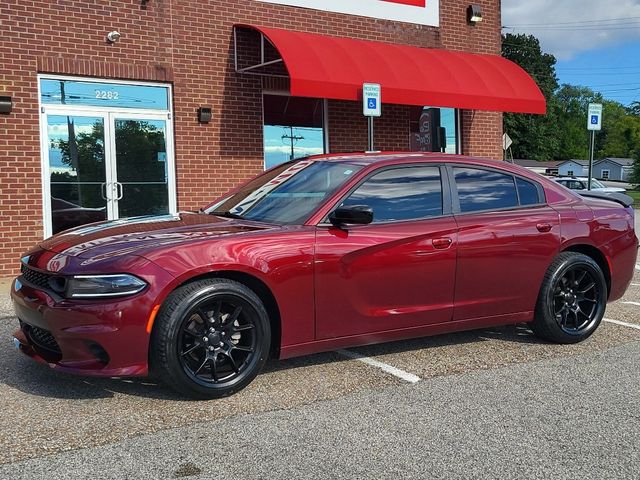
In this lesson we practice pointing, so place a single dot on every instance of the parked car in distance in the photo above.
(580, 183)
(323, 253)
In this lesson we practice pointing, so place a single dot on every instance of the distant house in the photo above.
(573, 168)
(613, 168)
(543, 168)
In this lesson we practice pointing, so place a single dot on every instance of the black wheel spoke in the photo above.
(235, 315)
(216, 312)
(206, 319)
(231, 361)
(214, 368)
(204, 362)
(587, 288)
(193, 333)
(187, 352)
(242, 349)
(581, 278)
(242, 328)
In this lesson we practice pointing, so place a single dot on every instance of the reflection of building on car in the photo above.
(68, 215)
(319, 254)
(581, 183)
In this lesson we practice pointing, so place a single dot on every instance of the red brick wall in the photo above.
(188, 43)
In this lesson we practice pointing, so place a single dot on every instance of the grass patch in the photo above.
(635, 194)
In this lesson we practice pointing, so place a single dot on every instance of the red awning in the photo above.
(333, 67)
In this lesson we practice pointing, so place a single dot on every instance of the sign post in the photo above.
(371, 107)
(594, 123)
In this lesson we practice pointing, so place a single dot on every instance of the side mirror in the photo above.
(354, 215)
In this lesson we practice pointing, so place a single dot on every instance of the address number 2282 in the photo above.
(107, 95)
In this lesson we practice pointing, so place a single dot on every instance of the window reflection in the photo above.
(77, 171)
(434, 129)
(401, 194)
(98, 94)
(293, 128)
(484, 189)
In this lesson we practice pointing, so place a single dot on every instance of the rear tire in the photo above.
(210, 338)
(572, 299)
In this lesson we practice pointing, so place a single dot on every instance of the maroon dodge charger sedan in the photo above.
(318, 254)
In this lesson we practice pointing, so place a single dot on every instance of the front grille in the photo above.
(34, 277)
(42, 338)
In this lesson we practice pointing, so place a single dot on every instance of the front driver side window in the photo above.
(405, 193)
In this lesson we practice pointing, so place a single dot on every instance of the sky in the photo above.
(596, 42)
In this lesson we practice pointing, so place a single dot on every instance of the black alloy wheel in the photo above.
(572, 299)
(210, 339)
(575, 300)
(216, 340)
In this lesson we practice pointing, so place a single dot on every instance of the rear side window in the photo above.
(527, 192)
(484, 189)
(400, 194)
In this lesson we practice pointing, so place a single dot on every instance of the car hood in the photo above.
(135, 236)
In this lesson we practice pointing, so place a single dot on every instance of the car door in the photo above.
(507, 238)
(397, 272)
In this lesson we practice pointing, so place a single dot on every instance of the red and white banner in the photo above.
(422, 12)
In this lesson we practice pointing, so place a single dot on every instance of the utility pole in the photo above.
(293, 138)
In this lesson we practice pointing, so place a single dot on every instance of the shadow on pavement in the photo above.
(23, 374)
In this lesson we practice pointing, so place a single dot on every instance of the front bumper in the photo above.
(97, 338)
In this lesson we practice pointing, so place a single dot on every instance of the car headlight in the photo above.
(96, 286)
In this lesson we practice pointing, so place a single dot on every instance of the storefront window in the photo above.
(293, 128)
(435, 130)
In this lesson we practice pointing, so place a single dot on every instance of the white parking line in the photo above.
(636, 284)
(632, 303)
(406, 376)
(624, 324)
(637, 267)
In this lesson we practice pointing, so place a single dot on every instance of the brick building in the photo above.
(110, 129)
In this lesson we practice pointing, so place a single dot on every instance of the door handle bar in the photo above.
(119, 191)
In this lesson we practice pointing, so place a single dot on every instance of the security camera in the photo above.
(113, 37)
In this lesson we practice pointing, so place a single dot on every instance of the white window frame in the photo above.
(602, 174)
(109, 113)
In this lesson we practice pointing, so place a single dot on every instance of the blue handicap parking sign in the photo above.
(372, 102)
(594, 119)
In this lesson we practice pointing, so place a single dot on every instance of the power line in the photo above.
(576, 22)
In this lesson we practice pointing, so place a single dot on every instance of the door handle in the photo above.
(544, 227)
(441, 243)
(119, 191)
(103, 191)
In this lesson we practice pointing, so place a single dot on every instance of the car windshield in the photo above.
(287, 194)
(596, 184)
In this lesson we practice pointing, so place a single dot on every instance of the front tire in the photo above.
(210, 338)
(572, 299)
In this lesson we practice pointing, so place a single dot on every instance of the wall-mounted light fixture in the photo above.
(204, 114)
(474, 14)
(113, 37)
(6, 104)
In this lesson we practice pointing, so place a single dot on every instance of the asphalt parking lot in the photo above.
(492, 403)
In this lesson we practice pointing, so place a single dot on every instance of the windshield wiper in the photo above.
(226, 214)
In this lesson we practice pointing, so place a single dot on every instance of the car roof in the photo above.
(374, 158)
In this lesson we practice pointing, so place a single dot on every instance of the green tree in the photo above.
(622, 138)
(571, 116)
(534, 136)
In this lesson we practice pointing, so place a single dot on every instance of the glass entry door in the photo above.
(140, 171)
(77, 170)
(106, 166)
